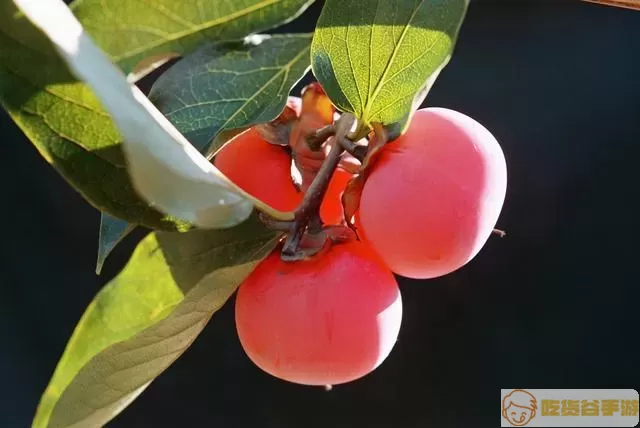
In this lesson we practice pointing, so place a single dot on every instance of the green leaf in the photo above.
(130, 31)
(378, 59)
(63, 118)
(112, 231)
(65, 121)
(231, 84)
(146, 318)
(166, 170)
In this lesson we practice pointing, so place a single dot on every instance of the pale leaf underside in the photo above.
(165, 168)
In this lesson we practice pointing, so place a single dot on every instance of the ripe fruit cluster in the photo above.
(429, 203)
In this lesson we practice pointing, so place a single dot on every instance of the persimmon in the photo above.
(261, 169)
(433, 196)
(331, 206)
(324, 321)
(316, 111)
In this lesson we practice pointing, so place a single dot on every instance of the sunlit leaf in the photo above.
(378, 59)
(130, 31)
(147, 317)
(231, 85)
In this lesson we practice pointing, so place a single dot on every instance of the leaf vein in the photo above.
(285, 68)
(396, 48)
(201, 27)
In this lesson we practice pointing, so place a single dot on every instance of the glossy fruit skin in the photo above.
(325, 321)
(434, 195)
(331, 207)
(261, 169)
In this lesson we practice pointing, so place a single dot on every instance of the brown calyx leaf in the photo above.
(278, 131)
(353, 190)
(351, 197)
(378, 138)
(316, 112)
(339, 234)
(313, 245)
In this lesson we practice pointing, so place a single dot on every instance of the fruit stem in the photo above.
(308, 213)
(356, 150)
(500, 233)
(317, 139)
(362, 130)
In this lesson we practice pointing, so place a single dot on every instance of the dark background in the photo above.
(552, 305)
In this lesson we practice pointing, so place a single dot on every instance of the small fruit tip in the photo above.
(313, 86)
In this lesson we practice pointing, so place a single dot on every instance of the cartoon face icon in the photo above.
(519, 407)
